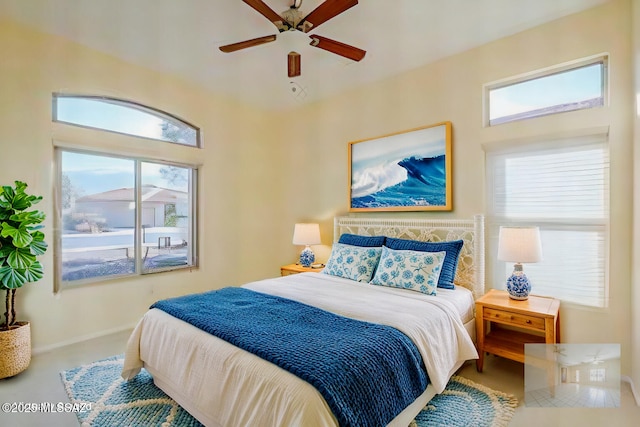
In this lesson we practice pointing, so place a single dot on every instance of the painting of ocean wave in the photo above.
(404, 171)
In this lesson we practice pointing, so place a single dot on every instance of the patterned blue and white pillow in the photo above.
(353, 262)
(413, 270)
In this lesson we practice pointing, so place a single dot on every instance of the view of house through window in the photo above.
(119, 214)
(100, 204)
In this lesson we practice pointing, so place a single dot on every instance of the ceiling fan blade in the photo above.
(247, 43)
(293, 64)
(338, 48)
(268, 13)
(327, 10)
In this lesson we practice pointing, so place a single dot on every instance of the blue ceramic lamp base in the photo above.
(307, 257)
(518, 284)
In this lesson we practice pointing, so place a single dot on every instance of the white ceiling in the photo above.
(182, 38)
(576, 354)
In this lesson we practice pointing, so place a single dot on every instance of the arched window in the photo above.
(126, 117)
(122, 214)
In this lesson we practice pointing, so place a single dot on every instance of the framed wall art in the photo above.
(404, 171)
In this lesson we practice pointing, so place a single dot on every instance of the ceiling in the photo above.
(182, 38)
(576, 354)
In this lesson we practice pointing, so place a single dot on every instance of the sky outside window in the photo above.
(564, 91)
(122, 117)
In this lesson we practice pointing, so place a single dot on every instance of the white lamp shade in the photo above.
(519, 244)
(306, 234)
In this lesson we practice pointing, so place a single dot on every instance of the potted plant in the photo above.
(21, 241)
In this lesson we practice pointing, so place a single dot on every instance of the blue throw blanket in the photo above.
(367, 373)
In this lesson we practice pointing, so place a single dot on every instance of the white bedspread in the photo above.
(223, 385)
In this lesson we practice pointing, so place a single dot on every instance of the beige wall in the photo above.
(240, 191)
(635, 301)
(451, 89)
(248, 207)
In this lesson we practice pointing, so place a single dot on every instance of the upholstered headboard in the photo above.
(470, 273)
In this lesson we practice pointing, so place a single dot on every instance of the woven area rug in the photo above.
(115, 402)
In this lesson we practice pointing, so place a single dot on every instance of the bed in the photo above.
(224, 385)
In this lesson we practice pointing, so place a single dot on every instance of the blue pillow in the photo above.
(450, 264)
(365, 241)
(352, 262)
(413, 270)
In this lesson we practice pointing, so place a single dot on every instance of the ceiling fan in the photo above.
(594, 359)
(293, 20)
(559, 350)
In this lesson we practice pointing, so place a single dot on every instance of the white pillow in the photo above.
(413, 270)
(352, 262)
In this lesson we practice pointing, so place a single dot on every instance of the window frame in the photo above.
(171, 118)
(578, 139)
(192, 254)
(602, 58)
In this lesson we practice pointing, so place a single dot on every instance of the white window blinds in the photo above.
(561, 186)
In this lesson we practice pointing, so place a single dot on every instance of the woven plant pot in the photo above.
(15, 349)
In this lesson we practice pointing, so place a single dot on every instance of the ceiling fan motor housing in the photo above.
(293, 17)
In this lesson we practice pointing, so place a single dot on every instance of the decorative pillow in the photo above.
(452, 248)
(413, 270)
(352, 262)
(365, 241)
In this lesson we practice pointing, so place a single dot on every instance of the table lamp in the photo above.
(519, 245)
(306, 234)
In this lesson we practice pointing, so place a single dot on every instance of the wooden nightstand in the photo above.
(535, 320)
(287, 270)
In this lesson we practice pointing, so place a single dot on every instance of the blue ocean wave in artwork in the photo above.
(425, 185)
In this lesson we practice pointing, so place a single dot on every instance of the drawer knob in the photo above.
(528, 321)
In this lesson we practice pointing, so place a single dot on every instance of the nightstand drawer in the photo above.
(515, 319)
(288, 270)
(285, 272)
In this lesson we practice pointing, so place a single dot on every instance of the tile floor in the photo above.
(508, 376)
(574, 395)
(41, 382)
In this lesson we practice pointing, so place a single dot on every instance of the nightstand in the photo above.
(535, 320)
(287, 270)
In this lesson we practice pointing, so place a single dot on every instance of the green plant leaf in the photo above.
(26, 218)
(38, 245)
(34, 272)
(8, 192)
(4, 252)
(21, 236)
(20, 186)
(17, 198)
(11, 278)
(24, 201)
(21, 258)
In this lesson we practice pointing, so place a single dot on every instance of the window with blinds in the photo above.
(561, 186)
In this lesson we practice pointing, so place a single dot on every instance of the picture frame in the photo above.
(404, 171)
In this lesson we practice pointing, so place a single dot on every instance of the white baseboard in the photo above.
(636, 395)
(76, 340)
